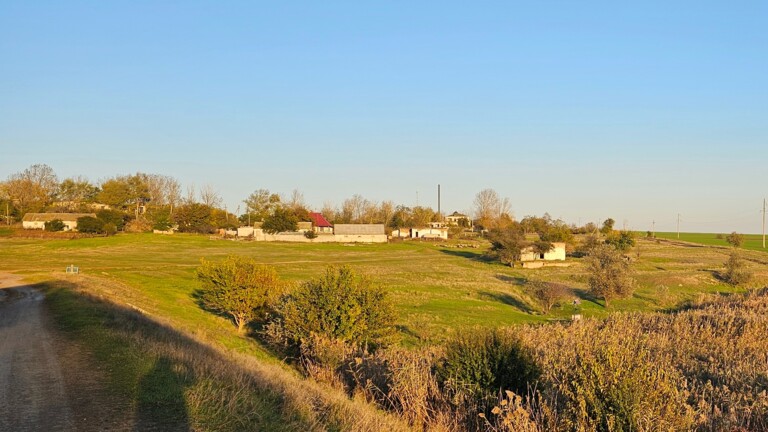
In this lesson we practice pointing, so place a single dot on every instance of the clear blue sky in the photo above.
(586, 110)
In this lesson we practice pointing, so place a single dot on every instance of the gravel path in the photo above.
(46, 383)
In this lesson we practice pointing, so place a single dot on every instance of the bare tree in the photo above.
(191, 197)
(296, 200)
(210, 197)
(353, 209)
(386, 211)
(491, 211)
(329, 211)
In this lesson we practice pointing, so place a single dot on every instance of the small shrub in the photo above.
(115, 217)
(735, 239)
(609, 274)
(110, 229)
(621, 240)
(736, 272)
(478, 365)
(90, 225)
(55, 225)
(311, 234)
(548, 294)
(338, 306)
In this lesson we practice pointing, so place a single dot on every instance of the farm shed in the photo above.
(557, 253)
(38, 220)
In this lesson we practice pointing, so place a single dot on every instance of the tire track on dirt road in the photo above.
(47, 383)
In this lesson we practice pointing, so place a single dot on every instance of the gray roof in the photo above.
(359, 229)
(47, 217)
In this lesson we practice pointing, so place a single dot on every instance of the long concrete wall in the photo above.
(260, 235)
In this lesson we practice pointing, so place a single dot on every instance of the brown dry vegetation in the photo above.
(704, 368)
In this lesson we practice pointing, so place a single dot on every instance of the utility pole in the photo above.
(763, 223)
(439, 215)
(653, 229)
(678, 226)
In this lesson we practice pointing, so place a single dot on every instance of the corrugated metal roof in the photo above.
(359, 229)
(47, 217)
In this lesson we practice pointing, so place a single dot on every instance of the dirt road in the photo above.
(46, 384)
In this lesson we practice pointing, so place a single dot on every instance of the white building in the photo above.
(530, 258)
(38, 220)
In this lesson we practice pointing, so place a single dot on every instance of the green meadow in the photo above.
(751, 241)
(438, 288)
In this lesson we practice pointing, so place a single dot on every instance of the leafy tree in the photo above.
(609, 274)
(607, 227)
(161, 220)
(735, 239)
(400, 217)
(90, 225)
(194, 218)
(622, 240)
(239, 287)
(338, 306)
(114, 217)
(548, 294)
(76, 191)
(281, 220)
(507, 244)
(126, 191)
(32, 189)
(260, 204)
(54, 225)
(736, 272)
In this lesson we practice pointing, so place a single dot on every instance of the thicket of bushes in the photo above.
(704, 368)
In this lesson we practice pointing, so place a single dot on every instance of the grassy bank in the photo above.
(172, 382)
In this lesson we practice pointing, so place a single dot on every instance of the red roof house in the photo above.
(320, 223)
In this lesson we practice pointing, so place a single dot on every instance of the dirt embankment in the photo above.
(46, 382)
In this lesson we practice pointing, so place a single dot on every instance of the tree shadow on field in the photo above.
(161, 401)
(474, 256)
(585, 295)
(508, 299)
(182, 370)
(515, 280)
(198, 295)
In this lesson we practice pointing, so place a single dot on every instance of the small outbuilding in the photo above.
(320, 224)
(531, 258)
(38, 220)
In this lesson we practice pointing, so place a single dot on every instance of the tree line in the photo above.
(148, 201)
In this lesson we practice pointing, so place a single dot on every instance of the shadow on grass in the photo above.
(586, 296)
(161, 401)
(472, 255)
(515, 280)
(162, 372)
(508, 300)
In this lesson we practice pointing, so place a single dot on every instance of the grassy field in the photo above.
(438, 289)
(751, 241)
